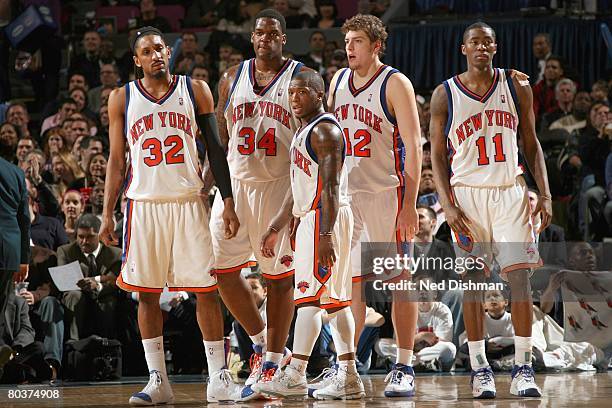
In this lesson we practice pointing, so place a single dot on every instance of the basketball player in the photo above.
(376, 107)
(323, 244)
(256, 124)
(167, 240)
(475, 119)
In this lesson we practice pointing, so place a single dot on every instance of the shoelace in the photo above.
(395, 376)
(484, 377)
(155, 379)
(255, 362)
(226, 377)
(325, 374)
(526, 373)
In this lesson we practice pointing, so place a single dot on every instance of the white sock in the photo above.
(260, 338)
(348, 365)
(299, 365)
(522, 350)
(274, 357)
(404, 356)
(215, 355)
(154, 354)
(343, 331)
(307, 328)
(478, 356)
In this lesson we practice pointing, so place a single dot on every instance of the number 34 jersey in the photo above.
(482, 133)
(161, 136)
(260, 124)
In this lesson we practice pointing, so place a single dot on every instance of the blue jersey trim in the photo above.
(229, 96)
(513, 92)
(191, 94)
(127, 104)
(383, 97)
(449, 118)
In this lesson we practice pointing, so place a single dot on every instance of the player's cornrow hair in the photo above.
(371, 25)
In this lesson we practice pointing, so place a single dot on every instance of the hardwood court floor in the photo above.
(559, 390)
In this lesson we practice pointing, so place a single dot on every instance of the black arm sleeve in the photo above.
(216, 154)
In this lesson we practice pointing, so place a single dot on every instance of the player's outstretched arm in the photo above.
(327, 142)
(533, 150)
(207, 123)
(115, 170)
(439, 161)
(402, 102)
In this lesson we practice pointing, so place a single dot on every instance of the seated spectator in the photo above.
(79, 128)
(186, 54)
(46, 232)
(148, 17)
(433, 345)
(577, 119)
(599, 92)
(79, 95)
(314, 58)
(328, 51)
(243, 20)
(103, 124)
(225, 50)
(206, 13)
(42, 192)
(53, 142)
(75, 80)
(95, 173)
(544, 99)
(327, 15)
(339, 59)
(67, 107)
(428, 195)
(293, 19)
(9, 137)
(65, 170)
(109, 79)
(200, 72)
(27, 364)
(565, 92)
(24, 146)
(542, 49)
(97, 199)
(17, 114)
(72, 208)
(88, 62)
(89, 146)
(235, 58)
(91, 310)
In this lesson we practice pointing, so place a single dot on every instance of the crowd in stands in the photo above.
(60, 140)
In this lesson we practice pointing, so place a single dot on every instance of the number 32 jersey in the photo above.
(482, 133)
(260, 124)
(161, 135)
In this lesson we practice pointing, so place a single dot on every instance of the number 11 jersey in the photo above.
(260, 124)
(161, 133)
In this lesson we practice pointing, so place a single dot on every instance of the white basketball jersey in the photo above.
(374, 148)
(161, 134)
(481, 133)
(260, 124)
(306, 183)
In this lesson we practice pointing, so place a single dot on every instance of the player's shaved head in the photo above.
(478, 25)
(311, 79)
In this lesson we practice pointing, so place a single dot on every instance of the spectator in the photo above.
(109, 79)
(206, 13)
(27, 364)
(426, 154)
(66, 171)
(328, 51)
(327, 16)
(24, 146)
(339, 59)
(429, 196)
(565, 92)
(79, 129)
(89, 146)
(200, 72)
(67, 107)
(104, 122)
(44, 197)
(97, 199)
(148, 17)
(314, 58)
(72, 208)
(243, 20)
(293, 19)
(89, 62)
(235, 58)
(17, 114)
(53, 142)
(46, 232)
(186, 55)
(95, 173)
(433, 345)
(91, 310)
(577, 120)
(14, 234)
(225, 50)
(599, 92)
(76, 80)
(330, 71)
(544, 91)
(79, 95)
(9, 137)
(542, 49)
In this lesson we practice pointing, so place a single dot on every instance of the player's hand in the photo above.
(544, 209)
(407, 223)
(268, 243)
(327, 254)
(230, 219)
(87, 284)
(22, 275)
(520, 76)
(107, 232)
(457, 220)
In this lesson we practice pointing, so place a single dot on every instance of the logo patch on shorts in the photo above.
(302, 286)
(286, 260)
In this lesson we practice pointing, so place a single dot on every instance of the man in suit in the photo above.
(14, 236)
(91, 310)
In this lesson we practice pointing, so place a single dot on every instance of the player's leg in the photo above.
(517, 254)
(147, 275)
(472, 202)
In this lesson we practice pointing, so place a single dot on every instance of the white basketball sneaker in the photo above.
(157, 391)
(222, 388)
(322, 380)
(400, 381)
(287, 383)
(483, 383)
(344, 385)
(523, 382)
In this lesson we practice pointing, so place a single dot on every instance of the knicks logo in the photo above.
(302, 286)
(286, 260)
